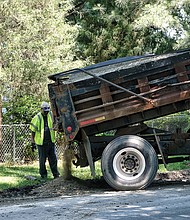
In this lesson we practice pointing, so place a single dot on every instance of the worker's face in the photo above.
(44, 112)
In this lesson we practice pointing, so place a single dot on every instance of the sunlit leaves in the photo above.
(158, 17)
(36, 41)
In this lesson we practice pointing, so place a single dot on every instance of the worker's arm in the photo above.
(32, 137)
(33, 142)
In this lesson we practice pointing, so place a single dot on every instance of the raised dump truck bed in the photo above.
(120, 95)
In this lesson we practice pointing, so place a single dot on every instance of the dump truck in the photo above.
(102, 110)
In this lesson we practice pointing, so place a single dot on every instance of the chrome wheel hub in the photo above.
(129, 163)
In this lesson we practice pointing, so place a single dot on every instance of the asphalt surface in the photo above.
(168, 202)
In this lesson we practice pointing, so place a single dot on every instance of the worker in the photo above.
(43, 136)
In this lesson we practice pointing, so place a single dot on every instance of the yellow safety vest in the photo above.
(37, 126)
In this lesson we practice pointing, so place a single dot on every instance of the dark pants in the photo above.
(47, 151)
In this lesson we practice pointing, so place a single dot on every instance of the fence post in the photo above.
(0, 129)
(14, 143)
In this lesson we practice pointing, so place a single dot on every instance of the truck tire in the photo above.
(129, 162)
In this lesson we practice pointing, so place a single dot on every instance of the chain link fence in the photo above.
(16, 144)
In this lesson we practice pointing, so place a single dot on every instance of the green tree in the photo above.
(162, 25)
(21, 110)
(117, 28)
(36, 41)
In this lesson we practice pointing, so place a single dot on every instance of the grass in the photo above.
(174, 166)
(84, 172)
(14, 176)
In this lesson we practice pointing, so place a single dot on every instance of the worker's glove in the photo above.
(33, 147)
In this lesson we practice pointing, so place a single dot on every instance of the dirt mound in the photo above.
(176, 176)
(75, 186)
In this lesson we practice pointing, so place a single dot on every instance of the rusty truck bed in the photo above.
(120, 92)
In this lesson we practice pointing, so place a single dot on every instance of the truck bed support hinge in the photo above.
(87, 147)
(159, 147)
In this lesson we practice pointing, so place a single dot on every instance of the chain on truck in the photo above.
(120, 95)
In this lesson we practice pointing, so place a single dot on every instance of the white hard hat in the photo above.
(45, 106)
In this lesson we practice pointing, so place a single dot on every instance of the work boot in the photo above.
(55, 177)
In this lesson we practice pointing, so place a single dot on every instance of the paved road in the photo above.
(169, 202)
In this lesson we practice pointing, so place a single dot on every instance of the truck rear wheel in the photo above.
(129, 162)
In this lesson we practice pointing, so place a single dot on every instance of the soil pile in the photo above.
(75, 186)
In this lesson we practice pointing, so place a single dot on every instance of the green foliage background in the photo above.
(172, 123)
(36, 41)
(42, 37)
